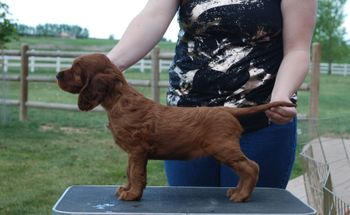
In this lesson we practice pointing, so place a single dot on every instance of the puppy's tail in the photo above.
(258, 108)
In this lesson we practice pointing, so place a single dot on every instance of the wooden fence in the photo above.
(155, 57)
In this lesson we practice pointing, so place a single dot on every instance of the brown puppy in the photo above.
(148, 130)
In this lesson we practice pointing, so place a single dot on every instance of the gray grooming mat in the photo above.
(177, 200)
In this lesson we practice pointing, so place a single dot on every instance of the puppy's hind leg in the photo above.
(228, 152)
(248, 172)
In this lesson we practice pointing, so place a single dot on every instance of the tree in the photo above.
(53, 30)
(25, 30)
(329, 31)
(111, 37)
(7, 29)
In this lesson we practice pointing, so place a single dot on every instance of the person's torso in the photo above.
(228, 53)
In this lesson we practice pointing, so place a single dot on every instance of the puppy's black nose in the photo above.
(59, 75)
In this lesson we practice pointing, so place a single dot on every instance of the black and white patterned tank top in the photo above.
(228, 53)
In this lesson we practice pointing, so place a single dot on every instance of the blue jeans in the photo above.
(273, 148)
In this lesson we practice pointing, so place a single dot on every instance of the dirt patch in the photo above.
(345, 136)
(66, 130)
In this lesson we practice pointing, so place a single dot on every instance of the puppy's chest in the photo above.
(131, 133)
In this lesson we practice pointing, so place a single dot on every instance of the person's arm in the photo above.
(298, 26)
(143, 32)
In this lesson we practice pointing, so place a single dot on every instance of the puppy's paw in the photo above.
(231, 191)
(240, 197)
(129, 196)
(121, 189)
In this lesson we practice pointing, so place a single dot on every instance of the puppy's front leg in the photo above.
(137, 177)
(127, 186)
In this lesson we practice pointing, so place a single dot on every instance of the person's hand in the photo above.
(281, 115)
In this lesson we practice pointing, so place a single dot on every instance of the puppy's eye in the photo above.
(76, 74)
(76, 77)
(76, 71)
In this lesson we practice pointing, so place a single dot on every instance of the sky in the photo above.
(102, 18)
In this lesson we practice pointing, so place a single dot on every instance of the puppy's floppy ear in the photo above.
(95, 90)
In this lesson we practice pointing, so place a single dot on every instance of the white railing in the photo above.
(58, 63)
(337, 69)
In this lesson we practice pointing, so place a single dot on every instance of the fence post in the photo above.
(314, 88)
(58, 63)
(24, 83)
(142, 65)
(4, 65)
(345, 66)
(155, 74)
(32, 64)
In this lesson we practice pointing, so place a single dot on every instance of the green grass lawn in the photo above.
(55, 149)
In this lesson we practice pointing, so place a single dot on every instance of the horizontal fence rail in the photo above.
(133, 82)
(28, 60)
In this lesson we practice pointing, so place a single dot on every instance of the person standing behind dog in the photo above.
(233, 53)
